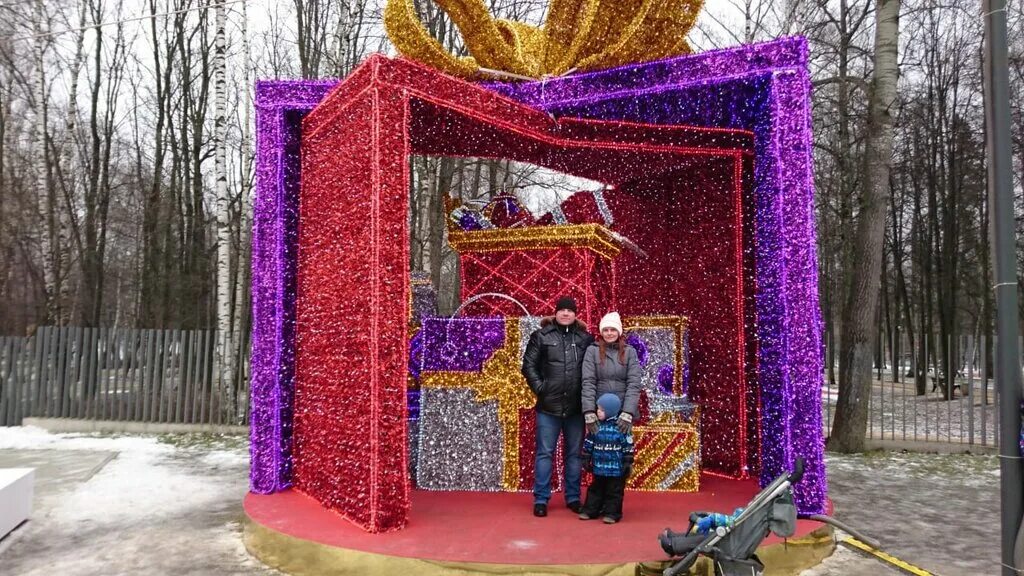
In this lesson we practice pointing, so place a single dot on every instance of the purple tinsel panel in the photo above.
(460, 344)
(804, 331)
(709, 68)
(763, 88)
(280, 107)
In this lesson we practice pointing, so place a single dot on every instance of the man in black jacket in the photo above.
(552, 367)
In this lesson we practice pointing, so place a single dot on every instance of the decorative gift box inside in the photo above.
(475, 411)
(536, 265)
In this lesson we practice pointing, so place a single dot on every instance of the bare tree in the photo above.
(858, 332)
(108, 71)
(242, 276)
(68, 167)
(225, 341)
(48, 237)
(152, 295)
(313, 27)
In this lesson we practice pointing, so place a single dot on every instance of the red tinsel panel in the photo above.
(690, 224)
(351, 309)
(753, 431)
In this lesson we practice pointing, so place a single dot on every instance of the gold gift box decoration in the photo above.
(667, 457)
(593, 236)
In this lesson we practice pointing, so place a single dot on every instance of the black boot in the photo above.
(540, 510)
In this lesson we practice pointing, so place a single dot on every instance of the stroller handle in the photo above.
(798, 471)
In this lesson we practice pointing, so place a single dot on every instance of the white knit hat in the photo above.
(611, 320)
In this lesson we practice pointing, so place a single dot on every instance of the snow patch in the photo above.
(148, 480)
(35, 438)
(522, 544)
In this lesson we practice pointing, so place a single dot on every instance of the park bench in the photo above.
(938, 381)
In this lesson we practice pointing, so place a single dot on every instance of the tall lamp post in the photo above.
(1001, 210)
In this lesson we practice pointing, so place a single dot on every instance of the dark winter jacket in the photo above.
(619, 378)
(552, 363)
(609, 452)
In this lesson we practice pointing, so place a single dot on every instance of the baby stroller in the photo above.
(731, 547)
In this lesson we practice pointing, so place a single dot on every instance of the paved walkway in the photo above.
(939, 512)
(171, 506)
(57, 471)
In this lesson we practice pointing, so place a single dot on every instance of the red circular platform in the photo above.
(499, 528)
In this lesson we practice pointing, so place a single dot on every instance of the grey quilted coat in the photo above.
(621, 379)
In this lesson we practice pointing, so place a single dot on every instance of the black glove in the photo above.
(591, 419)
(588, 464)
(627, 470)
(625, 422)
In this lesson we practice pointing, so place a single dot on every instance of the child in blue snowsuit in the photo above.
(609, 455)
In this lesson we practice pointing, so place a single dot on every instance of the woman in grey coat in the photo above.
(610, 365)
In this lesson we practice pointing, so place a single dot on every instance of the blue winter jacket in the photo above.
(610, 452)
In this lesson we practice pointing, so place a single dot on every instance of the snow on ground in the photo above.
(965, 469)
(162, 505)
(34, 438)
(896, 412)
(136, 485)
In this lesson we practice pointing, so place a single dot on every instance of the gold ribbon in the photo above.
(578, 35)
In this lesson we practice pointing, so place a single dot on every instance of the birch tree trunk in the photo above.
(343, 38)
(70, 161)
(244, 258)
(45, 195)
(858, 328)
(225, 341)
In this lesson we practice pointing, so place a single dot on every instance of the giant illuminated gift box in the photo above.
(763, 88)
(477, 424)
(536, 265)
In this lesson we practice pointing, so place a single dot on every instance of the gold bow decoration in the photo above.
(578, 35)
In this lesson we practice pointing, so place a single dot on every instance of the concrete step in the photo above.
(16, 486)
